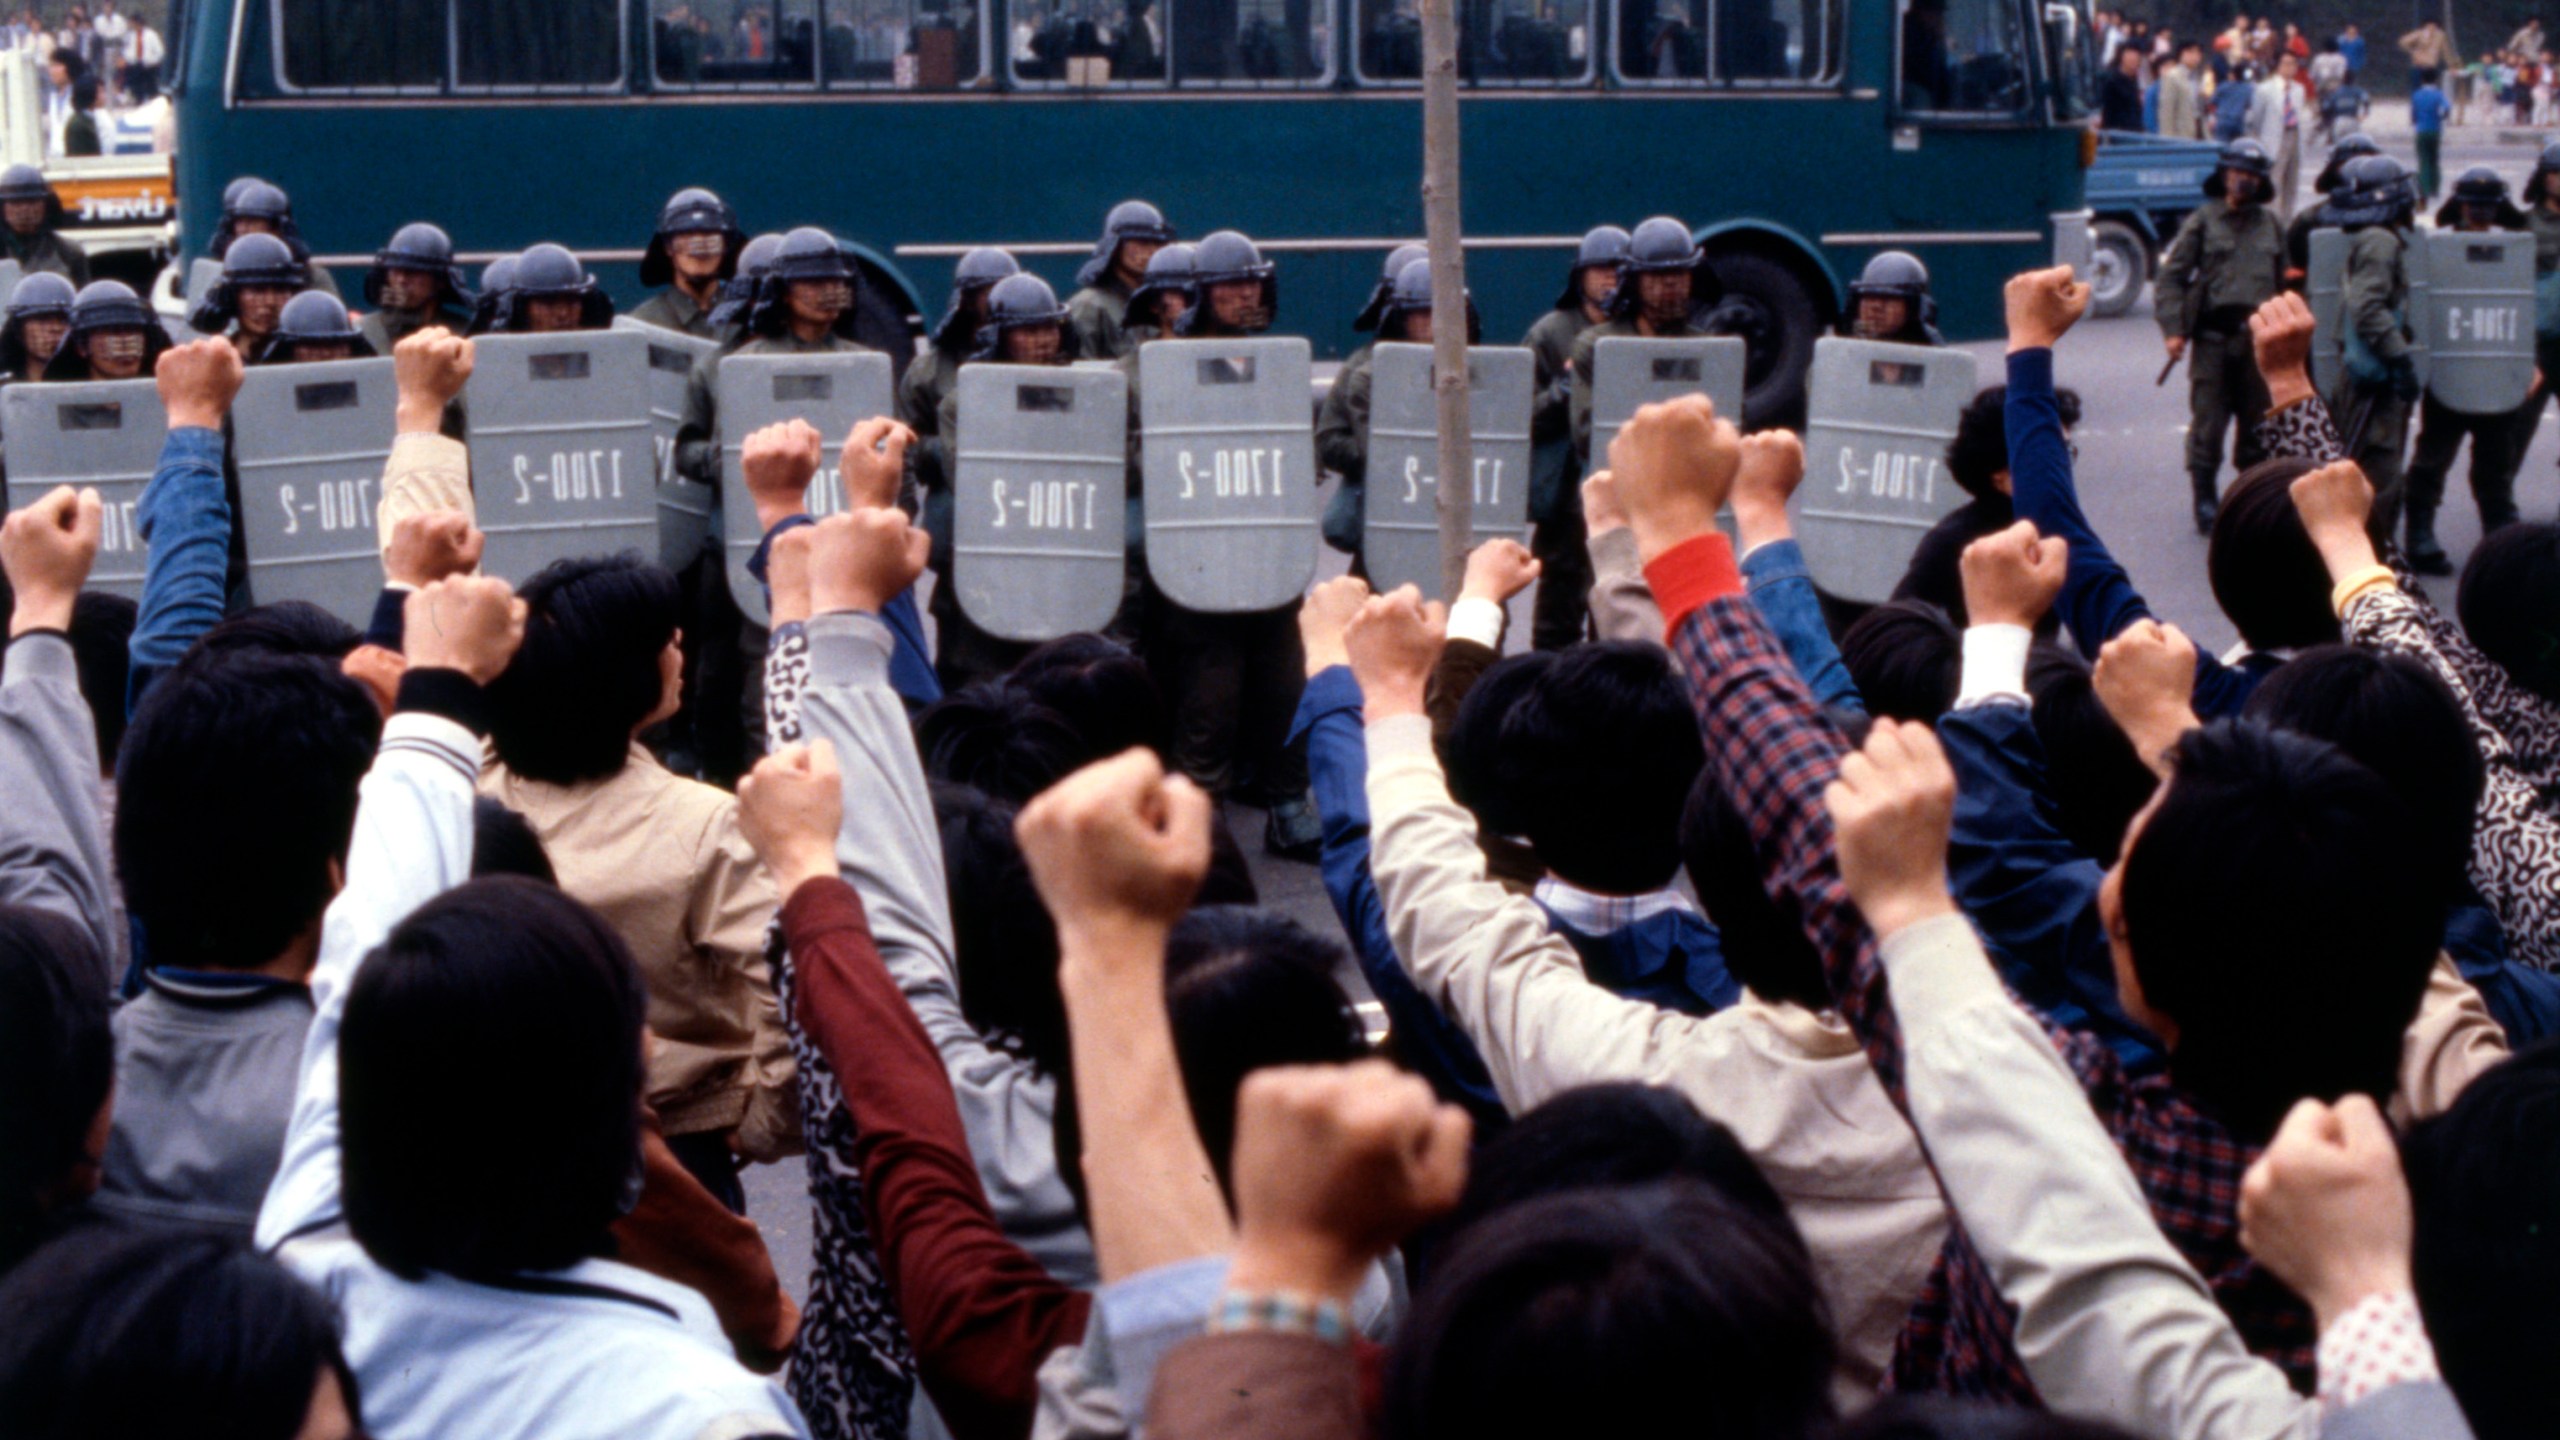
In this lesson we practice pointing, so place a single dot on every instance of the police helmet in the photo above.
(231, 192)
(26, 182)
(497, 292)
(2372, 190)
(2546, 165)
(255, 261)
(1897, 275)
(1662, 246)
(1412, 296)
(1376, 308)
(1225, 257)
(2480, 188)
(691, 211)
(40, 296)
(314, 317)
(739, 295)
(977, 271)
(1170, 271)
(248, 199)
(1018, 302)
(550, 272)
(104, 305)
(424, 248)
(1601, 245)
(2246, 156)
(1128, 220)
(2352, 145)
(805, 255)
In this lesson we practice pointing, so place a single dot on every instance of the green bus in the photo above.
(1798, 136)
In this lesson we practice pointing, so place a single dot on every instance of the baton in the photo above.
(2164, 373)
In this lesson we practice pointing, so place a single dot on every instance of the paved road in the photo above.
(2133, 480)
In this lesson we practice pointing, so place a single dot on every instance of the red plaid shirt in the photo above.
(1773, 750)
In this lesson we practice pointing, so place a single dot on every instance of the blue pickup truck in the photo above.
(2140, 188)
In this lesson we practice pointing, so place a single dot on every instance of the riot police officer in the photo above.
(39, 317)
(933, 375)
(32, 232)
(113, 336)
(2353, 145)
(1131, 235)
(2227, 260)
(1663, 282)
(551, 293)
(2478, 202)
(2375, 204)
(414, 283)
(1555, 501)
(1342, 425)
(694, 249)
(1890, 300)
(1366, 322)
(738, 294)
(254, 207)
(1170, 288)
(314, 328)
(2542, 217)
(259, 274)
(491, 312)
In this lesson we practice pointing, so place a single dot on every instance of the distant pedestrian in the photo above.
(2427, 111)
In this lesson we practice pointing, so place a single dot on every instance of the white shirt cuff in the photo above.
(1478, 619)
(1995, 664)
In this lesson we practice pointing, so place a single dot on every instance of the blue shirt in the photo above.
(2428, 109)
(1782, 591)
(2352, 47)
(186, 520)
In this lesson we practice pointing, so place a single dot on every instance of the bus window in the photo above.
(1500, 42)
(1777, 40)
(1089, 44)
(1662, 40)
(721, 44)
(537, 44)
(359, 44)
(906, 44)
(1964, 56)
(1253, 42)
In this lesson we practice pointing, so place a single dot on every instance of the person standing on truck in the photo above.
(31, 235)
(2227, 260)
(2182, 94)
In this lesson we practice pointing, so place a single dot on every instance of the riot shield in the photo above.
(309, 442)
(1402, 544)
(2324, 283)
(102, 433)
(833, 391)
(1629, 373)
(203, 273)
(684, 506)
(1040, 539)
(1227, 448)
(1878, 419)
(10, 274)
(562, 462)
(2477, 319)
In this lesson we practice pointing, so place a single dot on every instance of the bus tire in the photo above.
(1766, 303)
(2119, 266)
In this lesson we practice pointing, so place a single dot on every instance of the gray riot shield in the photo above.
(10, 274)
(1228, 453)
(203, 273)
(1040, 541)
(562, 462)
(830, 391)
(102, 433)
(1879, 417)
(685, 506)
(2477, 319)
(309, 442)
(1629, 373)
(1402, 544)
(2324, 282)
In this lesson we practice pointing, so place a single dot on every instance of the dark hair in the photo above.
(1002, 938)
(2273, 917)
(101, 649)
(287, 627)
(1602, 1311)
(1609, 1135)
(2096, 777)
(1940, 1417)
(2429, 75)
(490, 1082)
(2509, 602)
(1471, 753)
(69, 59)
(2484, 1179)
(84, 92)
(133, 1330)
(1102, 690)
(2266, 574)
(1599, 755)
(1980, 448)
(1908, 660)
(235, 791)
(1764, 944)
(589, 671)
(504, 843)
(994, 737)
(2392, 715)
(57, 1063)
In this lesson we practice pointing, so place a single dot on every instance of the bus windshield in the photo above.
(2071, 50)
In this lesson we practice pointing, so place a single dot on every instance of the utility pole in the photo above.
(1441, 236)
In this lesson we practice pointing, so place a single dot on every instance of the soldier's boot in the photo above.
(2496, 497)
(2208, 499)
(2422, 552)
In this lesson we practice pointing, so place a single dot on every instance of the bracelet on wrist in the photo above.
(1280, 1312)
(2355, 582)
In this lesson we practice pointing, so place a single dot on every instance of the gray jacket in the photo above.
(53, 834)
(206, 1069)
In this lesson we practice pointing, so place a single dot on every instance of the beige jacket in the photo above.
(425, 472)
(1792, 1085)
(661, 859)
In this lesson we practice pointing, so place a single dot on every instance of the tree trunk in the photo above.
(1456, 490)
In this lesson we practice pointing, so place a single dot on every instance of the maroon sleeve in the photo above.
(982, 1313)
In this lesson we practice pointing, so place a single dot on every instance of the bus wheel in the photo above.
(1765, 304)
(2119, 264)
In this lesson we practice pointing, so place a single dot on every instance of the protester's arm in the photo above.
(412, 842)
(1497, 571)
(777, 463)
(1622, 605)
(981, 1313)
(786, 656)
(1773, 568)
(732, 904)
(53, 838)
(427, 472)
(2297, 423)
(680, 1231)
(184, 516)
(2111, 1320)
